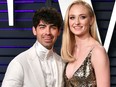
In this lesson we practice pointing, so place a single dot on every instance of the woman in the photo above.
(87, 62)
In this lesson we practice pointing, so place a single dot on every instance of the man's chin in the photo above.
(48, 45)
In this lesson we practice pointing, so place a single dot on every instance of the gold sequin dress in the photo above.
(84, 76)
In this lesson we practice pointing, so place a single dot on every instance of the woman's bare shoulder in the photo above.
(99, 55)
(99, 49)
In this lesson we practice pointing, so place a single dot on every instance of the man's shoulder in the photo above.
(27, 53)
(57, 55)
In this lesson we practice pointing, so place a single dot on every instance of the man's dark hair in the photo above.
(49, 16)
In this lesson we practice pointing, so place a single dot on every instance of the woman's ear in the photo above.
(34, 31)
(92, 20)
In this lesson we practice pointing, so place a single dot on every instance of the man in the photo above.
(39, 66)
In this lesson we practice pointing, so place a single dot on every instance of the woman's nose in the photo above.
(77, 21)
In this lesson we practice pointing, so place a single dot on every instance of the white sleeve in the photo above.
(14, 75)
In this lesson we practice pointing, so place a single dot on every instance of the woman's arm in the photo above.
(101, 66)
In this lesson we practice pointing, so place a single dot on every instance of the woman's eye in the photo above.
(71, 17)
(83, 17)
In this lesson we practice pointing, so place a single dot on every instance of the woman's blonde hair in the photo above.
(68, 38)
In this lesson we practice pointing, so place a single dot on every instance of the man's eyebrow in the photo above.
(52, 25)
(42, 25)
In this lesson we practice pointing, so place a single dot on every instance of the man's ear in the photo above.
(59, 32)
(34, 31)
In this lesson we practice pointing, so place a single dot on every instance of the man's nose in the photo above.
(48, 30)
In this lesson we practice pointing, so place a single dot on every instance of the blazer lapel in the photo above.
(36, 68)
(58, 72)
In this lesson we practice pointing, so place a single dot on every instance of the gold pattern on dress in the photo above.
(84, 76)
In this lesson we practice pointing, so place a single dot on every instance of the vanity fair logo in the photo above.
(63, 6)
(10, 12)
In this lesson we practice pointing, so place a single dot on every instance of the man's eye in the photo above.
(54, 27)
(41, 27)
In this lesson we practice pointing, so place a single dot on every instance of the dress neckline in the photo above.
(87, 57)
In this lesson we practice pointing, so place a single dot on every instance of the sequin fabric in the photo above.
(84, 76)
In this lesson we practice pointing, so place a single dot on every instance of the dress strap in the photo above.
(90, 52)
(92, 49)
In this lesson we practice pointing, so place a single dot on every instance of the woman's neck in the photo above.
(82, 41)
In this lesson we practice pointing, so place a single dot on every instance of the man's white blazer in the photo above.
(25, 71)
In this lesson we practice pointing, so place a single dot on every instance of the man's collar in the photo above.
(43, 52)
